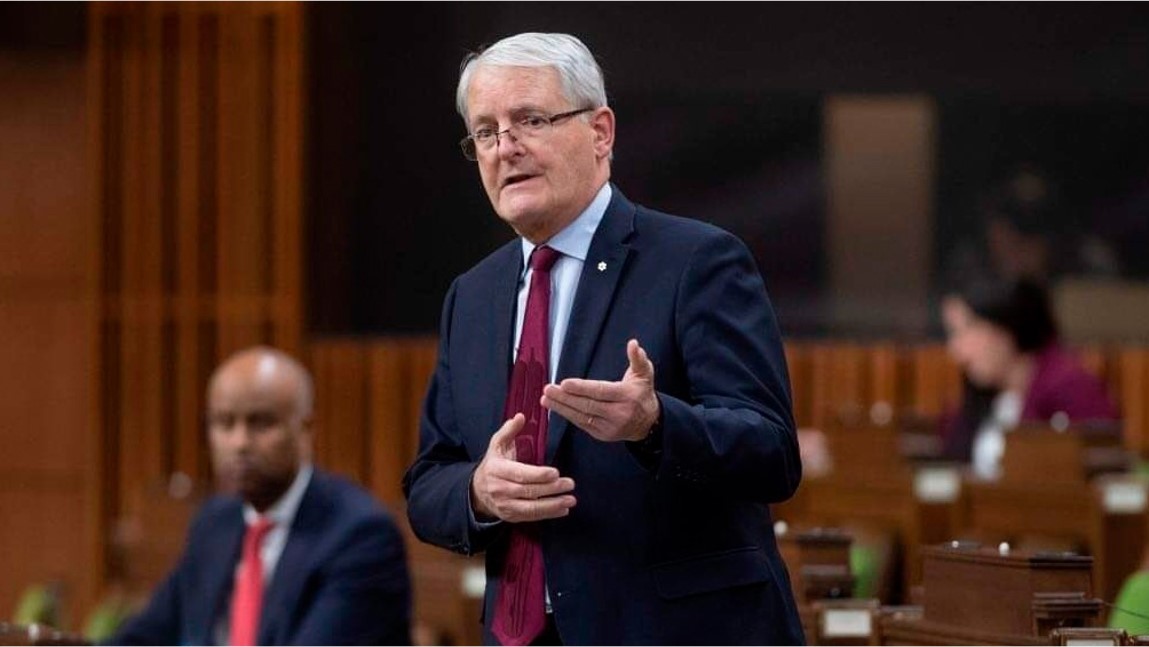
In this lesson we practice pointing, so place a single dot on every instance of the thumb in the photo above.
(503, 442)
(640, 364)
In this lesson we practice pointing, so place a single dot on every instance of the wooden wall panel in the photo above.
(197, 147)
(839, 381)
(368, 397)
(390, 416)
(884, 377)
(1133, 367)
(342, 408)
(798, 363)
(879, 160)
(936, 381)
(48, 490)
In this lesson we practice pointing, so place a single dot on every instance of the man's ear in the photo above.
(304, 439)
(602, 121)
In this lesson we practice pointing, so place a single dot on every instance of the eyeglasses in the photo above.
(529, 126)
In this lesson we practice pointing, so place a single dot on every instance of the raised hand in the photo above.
(610, 411)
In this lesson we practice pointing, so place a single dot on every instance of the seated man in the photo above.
(295, 555)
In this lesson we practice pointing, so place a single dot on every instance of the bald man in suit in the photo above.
(328, 565)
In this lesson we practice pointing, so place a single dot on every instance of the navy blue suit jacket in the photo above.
(675, 547)
(342, 577)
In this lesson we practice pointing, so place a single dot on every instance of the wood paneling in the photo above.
(197, 139)
(47, 325)
(1133, 375)
(935, 380)
(879, 154)
(368, 397)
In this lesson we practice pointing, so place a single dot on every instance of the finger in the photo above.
(503, 441)
(539, 509)
(597, 426)
(556, 397)
(555, 394)
(532, 491)
(577, 417)
(522, 473)
(640, 364)
(601, 390)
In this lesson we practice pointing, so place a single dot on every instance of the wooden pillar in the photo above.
(879, 155)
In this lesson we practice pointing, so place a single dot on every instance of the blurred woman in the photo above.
(1004, 337)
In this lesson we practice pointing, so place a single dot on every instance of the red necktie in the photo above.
(248, 598)
(519, 614)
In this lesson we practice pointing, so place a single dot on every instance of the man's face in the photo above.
(257, 435)
(540, 184)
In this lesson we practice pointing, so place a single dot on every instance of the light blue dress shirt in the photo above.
(574, 243)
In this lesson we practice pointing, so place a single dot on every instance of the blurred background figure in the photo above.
(291, 554)
(1030, 231)
(1004, 337)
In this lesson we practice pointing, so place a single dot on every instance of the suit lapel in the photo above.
(504, 301)
(221, 557)
(605, 261)
(294, 565)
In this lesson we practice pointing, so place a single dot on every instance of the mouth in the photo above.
(241, 469)
(517, 178)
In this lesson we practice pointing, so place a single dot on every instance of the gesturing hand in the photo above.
(610, 411)
(506, 489)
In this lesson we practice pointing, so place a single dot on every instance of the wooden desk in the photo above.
(448, 592)
(1046, 492)
(13, 634)
(818, 560)
(980, 596)
(871, 485)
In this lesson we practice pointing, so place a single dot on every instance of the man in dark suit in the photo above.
(610, 417)
(295, 556)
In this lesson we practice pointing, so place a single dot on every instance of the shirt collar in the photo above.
(574, 239)
(282, 512)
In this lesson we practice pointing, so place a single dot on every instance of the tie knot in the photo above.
(543, 258)
(258, 530)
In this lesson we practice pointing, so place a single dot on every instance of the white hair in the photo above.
(579, 72)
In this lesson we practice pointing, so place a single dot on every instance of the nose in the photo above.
(239, 437)
(507, 143)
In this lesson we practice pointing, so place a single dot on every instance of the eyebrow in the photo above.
(517, 111)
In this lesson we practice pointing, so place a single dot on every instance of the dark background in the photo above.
(719, 118)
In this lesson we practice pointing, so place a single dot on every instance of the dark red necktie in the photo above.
(248, 598)
(519, 614)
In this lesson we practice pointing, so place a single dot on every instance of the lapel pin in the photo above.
(602, 266)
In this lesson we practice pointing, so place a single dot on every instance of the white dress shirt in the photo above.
(282, 514)
(989, 444)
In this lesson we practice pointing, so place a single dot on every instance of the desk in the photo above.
(974, 595)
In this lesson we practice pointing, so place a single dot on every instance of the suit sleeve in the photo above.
(735, 429)
(365, 594)
(159, 622)
(438, 484)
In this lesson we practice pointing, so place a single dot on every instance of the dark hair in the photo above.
(1021, 307)
(1029, 201)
